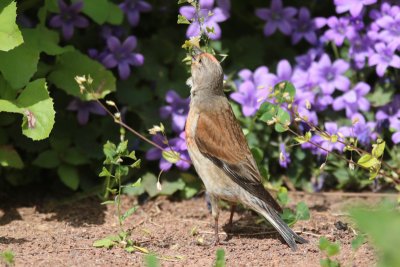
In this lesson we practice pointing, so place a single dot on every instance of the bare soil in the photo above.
(40, 234)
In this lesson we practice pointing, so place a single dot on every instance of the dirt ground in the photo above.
(41, 235)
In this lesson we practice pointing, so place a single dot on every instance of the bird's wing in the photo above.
(220, 138)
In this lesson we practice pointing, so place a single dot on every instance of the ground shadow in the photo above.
(62, 207)
(10, 240)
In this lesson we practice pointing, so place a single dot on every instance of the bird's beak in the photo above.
(197, 51)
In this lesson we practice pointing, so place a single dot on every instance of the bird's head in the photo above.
(207, 73)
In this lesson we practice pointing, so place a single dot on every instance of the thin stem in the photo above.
(335, 50)
(119, 203)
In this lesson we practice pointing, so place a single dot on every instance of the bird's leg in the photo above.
(230, 225)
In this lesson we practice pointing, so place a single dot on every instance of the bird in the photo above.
(219, 150)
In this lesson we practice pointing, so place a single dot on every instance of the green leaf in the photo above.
(37, 106)
(378, 149)
(368, 161)
(19, 65)
(266, 111)
(9, 157)
(283, 198)
(69, 176)
(170, 187)
(302, 211)
(323, 243)
(182, 20)
(104, 172)
(74, 156)
(193, 231)
(284, 117)
(220, 261)
(129, 212)
(258, 154)
(357, 242)
(151, 261)
(75, 63)
(145, 231)
(97, 10)
(44, 40)
(288, 217)
(333, 249)
(287, 89)
(10, 36)
(381, 225)
(171, 156)
(115, 15)
(181, 1)
(129, 249)
(47, 159)
(107, 243)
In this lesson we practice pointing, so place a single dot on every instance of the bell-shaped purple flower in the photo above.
(84, 108)
(383, 58)
(69, 18)
(304, 27)
(353, 100)
(329, 75)
(121, 55)
(133, 8)
(284, 160)
(277, 17)
(178, 110)
(177, 144)
(354, 6)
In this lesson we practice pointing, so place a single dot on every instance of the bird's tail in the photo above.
(286, 232)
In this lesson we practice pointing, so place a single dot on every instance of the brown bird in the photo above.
(219, 150)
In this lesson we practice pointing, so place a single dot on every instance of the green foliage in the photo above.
(10, 36)
(220, 261)
(151, 261)
(74, 63)
(302, 211)
(37, 107)
(9, 157)
(381, 225)
(8, 257)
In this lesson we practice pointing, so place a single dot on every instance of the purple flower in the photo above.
(247, 96)
(177, 144)
(396, 135)
(107, 31)
(286, 156)
(84, 108)
(94, 54)
(353, 100)
(329, 75)
(386, 9)
(276, 17)
(132, 9)
(339, 29)
(206, 6)
(362, 130)
(69, 18)
(317, 183)
(121, 55)
(254, 89)
(357, 22)
(390, 28)
(178, 110)
(354, 6)
(383, 58)
(360, 48)
(390, 112)
(304, 27)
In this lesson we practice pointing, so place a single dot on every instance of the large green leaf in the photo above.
(37, 107)
(47, 159)
(45, 40)
(10, 36)
(9, 157)
(19, 65)
(97, 10)
(69, 176)
(75, 63)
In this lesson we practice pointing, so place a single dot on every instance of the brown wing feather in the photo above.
(219, 137)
